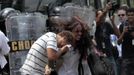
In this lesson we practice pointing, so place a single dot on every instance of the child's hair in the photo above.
(68, 36)
(130, 10)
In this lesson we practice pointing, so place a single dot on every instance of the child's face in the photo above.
(130, 17)
(61, 42)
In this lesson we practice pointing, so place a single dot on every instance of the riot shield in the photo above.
(25, 26)
(22, 30)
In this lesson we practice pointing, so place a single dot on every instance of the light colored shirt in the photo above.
(70, 63)
(37, 56)
(86, 67)
(4, 49)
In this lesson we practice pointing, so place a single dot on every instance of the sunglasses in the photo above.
(121, 15)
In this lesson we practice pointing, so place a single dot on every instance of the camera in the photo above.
(131, 28)
(115, 6)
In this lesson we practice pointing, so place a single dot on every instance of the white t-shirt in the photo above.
(70, 63)
(37, 56)
(4, 49)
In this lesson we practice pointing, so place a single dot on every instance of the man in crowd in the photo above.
(121, 12)
(127, 40)
(103, 32)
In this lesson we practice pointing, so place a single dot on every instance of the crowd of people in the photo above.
(66, 48)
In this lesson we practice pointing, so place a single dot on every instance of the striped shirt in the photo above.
(37, 56)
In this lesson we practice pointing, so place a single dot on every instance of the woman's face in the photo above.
(61, 41)
(77, 31)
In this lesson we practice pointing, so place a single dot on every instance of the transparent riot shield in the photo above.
(22, 30)
(25, 26)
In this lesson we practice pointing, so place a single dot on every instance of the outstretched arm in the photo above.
(102, 14)
(116, 30)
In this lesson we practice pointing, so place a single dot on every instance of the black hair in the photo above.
(130, 10)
